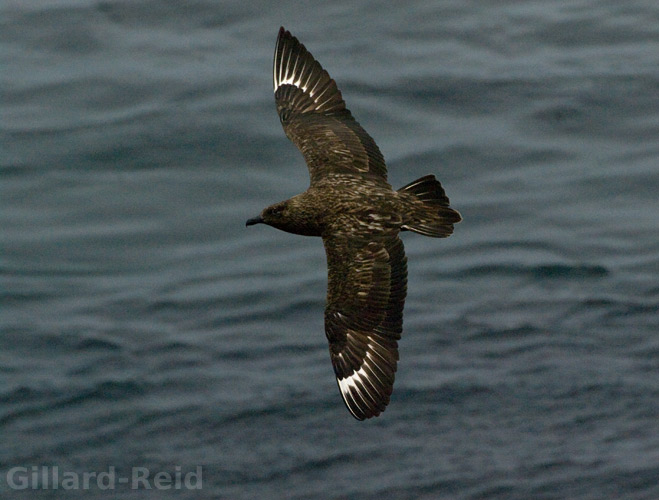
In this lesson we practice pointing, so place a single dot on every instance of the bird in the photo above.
(358, 215)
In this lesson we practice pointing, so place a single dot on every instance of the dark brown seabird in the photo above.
(351, 205)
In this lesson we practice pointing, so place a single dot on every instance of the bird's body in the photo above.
(350, 204)
(309, 214)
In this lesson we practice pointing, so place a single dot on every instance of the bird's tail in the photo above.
(429, 212)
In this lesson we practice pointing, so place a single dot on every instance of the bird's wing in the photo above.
(315, 117)
(364, 317)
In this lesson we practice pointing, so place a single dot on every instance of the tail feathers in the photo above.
(427, 189)
(430, 213)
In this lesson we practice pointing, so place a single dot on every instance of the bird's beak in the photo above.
(254, 220)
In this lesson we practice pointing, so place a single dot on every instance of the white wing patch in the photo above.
(295, 66)
(365, 390)
(359, 389)
(351, 392)
(345, 384)
(284, 75)
(289, 78)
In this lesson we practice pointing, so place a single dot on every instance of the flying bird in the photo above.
(353, 208)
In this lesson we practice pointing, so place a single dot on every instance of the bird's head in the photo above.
(294, 215)
(274, 215)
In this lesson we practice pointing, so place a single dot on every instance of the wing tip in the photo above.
(284, 46)
(284, 33)
(363, 397)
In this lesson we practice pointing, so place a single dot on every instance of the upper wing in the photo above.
(315, 117)
(364, 318)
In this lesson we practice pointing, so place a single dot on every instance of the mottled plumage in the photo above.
(350, 204)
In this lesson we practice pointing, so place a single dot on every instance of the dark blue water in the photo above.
(143, 326)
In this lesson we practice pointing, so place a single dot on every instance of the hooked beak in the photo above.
(254, 220)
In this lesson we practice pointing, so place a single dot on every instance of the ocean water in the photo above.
(144, 328)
